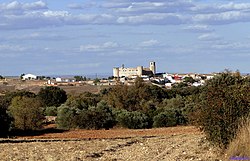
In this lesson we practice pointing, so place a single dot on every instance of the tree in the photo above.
(165, 119)
(21, 76)
(27, 113)
(1, 77)
(132, 120)
(189, 80)
(96, 81)
(5, 100)
(5, 121)
(66, 117)
(96, 117)
(223, 102)
(52, 96)
(79, 78)
(83, 101)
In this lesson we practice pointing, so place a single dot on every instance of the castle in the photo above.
(138, 71)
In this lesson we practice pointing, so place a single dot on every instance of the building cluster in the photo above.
(127, 75)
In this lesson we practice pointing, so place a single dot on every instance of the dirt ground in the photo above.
(169, 144)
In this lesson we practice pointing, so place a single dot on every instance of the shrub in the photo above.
(27, 113)
(240, 146)
(224, 100)
(165, 119)
(83, 101)
(52, 96)
(66, 117)
(5, 100)
(176, 108)
(5, 122)
(50, 111)
(96, 117)
(132, 120)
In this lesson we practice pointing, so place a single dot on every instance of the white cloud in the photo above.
(153, 18)
(11, 48)
(231, 46)
(149, 43)
(82, 6)
(209, 37)
(16, 7)
(86, 19)
(148, 6)
(219, 8)
(35, 5)
(16, 15)
(100, 47)
(198, 28)
(223, 18)
(35, 36)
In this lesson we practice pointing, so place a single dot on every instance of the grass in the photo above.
(239, 148)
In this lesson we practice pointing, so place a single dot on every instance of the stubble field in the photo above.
(170, 144)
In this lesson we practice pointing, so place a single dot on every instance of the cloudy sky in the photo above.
(93, 36)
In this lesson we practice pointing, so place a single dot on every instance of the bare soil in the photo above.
(169, 144)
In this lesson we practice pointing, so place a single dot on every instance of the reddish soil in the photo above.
(116, 133)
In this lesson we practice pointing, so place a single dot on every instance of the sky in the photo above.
(80, 37)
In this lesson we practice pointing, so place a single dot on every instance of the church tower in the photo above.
(152, 67)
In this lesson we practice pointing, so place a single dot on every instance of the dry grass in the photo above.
(240, 146)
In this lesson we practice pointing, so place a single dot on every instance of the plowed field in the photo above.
(170, 144)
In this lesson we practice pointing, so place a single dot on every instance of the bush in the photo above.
(5, 100)
(96, 117)
(5, 122)
(66, 117)
(132, 120)
(165, 119)
(93, 118)
(27, 113)
(240, 146)
(83, 101)
(52, 96)
(175, 107)
(224, 100)
(50, 111)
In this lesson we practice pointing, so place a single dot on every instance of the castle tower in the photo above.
(139, 70)
(152, 67)
(116, 72)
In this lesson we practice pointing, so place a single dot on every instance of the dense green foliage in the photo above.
(5, 122)
(132, 98)
(222, 103)
(52, 96)
(80, 78)
(66, 117)
(27, 113)
(95, 117)
(83, 101)
(132, 120)
(165, 119)
(5, 102)
(50, 111)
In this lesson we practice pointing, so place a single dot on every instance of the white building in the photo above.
(58, 79)
(29, 77)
